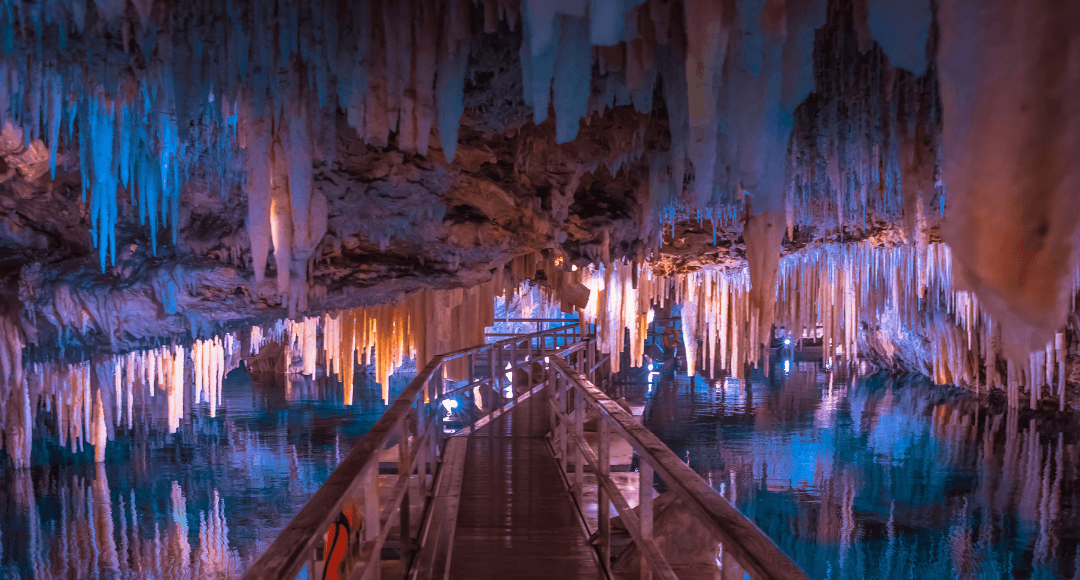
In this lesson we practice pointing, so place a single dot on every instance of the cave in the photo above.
(256, 255)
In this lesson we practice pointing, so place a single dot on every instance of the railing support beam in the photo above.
(603, 511)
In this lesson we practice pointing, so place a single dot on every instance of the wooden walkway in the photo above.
(499, 507)
(516, 519)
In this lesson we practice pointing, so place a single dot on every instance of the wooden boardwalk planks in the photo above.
(437, 537)
(515, 517)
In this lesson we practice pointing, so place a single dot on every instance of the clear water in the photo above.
(883, 478)
(201, 503)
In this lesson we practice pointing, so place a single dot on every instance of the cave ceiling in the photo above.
(170, 170)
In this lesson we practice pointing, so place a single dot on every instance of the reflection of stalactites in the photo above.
(103, 521)
(1049, 506)
(216, 559)
(847, 515)
(178, 546)
(22, 491)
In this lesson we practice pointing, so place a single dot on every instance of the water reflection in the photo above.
(200, 503)
(883, 478)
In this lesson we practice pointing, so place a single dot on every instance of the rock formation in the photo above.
(176, 173)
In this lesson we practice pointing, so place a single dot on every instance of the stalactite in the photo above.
(735, 77)
(393, 67)
(256, 185)
(763, 233)
(212, 359)
(847, 294)
(14, 393)
(621, 296)
(838, 292)
(423, 324)
(1013, 221)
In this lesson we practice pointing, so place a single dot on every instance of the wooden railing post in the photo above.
(491, 372)
(591, 362)
(513, 364)
(404, 471)
(316, 563)
(372, 515)
(603, 512)
(552, 393)
(579, 456)
(501, 371)
(472, 367)
(433, 442)
(529, 358)
(562, 406)
(423, 464)
(645, 500)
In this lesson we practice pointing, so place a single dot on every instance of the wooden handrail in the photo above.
(301, 541)
(304, 535)
(750, 547)
(288, 553)
(630, 519)
(516, 338)
(562, 351)
(533, 320)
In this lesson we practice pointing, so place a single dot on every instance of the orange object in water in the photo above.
(337, 542)
(337, 547)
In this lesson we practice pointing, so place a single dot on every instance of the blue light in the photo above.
(650, 367)
(787, 342)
